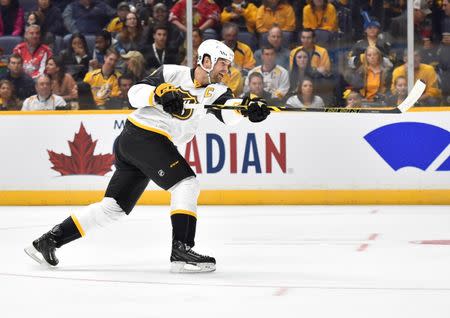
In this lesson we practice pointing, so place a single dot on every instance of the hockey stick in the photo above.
(409, 102)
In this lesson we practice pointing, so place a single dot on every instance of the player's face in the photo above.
(219, 70)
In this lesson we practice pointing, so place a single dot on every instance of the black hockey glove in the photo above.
(168, 96)
(256, 110)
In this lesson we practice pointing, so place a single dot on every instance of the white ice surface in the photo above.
(272, 261)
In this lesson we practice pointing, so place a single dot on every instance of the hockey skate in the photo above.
(43, 249)
(185, 260)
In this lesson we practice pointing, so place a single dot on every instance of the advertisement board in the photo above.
(300, 157)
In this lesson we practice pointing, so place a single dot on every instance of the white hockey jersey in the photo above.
(180, 129)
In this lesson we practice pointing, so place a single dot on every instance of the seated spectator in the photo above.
(103, 42)
(399, 93)
(76, 57)
(445, 24)
(44, 99)
(158, 54)
(135, 66)
(104, 81)
(305, 97)
(11, 18)
(241, 12)
(320, 15)
(22, 82)
(116, 25)
(85, 100)
(372, 29)
(372, 78)
(256, 87)
(320, 61)
(234, 80)
(132, 37)
(206, 15)
(62, 83)
(243, 54)
(276, 78)
(443, 54)
(8, 100)
(87, 16)
(160, 16)
(121, 101)
(33, 53)
(52, 18)
(275, 39)
(398, 27)
(37, 18)
(353, 99)
(426, 74)
(275, 12)
(301, 69)
(197, 39)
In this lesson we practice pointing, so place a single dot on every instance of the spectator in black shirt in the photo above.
(76, 57)
(23, 83)
(158, 54)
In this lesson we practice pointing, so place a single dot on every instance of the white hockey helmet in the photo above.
(216, 50)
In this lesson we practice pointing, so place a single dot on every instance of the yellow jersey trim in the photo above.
(191, 213)
(156, 130)
(240, 197)
(78, 225)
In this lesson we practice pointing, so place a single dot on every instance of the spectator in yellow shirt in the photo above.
(426, 74)
(275, 12)
(104, 81)
(242, 13)
(116, 24)
(319, 58)
(234, 80)
(243, 54)
(321, 16)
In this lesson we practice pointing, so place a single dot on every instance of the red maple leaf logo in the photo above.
(82, 159)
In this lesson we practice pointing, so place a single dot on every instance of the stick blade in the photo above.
(412, 97)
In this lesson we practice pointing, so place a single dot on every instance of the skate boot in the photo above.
(185, 260)
(43, 249)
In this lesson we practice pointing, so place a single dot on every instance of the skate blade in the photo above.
(183, 267)
(34, 254)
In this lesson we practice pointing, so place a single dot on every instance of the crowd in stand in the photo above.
(86, 54)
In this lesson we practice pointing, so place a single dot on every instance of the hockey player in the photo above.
(147, 150)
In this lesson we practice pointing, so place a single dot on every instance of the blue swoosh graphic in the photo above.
(410, 144)
(445, 166)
